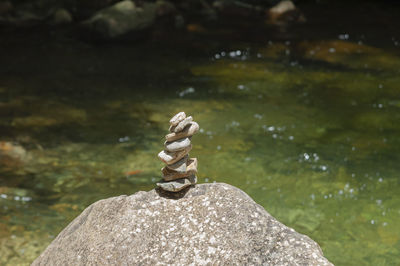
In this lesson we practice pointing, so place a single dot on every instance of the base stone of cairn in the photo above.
(210, 224)
(180, 170)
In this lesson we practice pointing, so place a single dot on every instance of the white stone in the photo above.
(177, 145)
(177, 118)
(188, 131)
(181, 125)
(172, 157)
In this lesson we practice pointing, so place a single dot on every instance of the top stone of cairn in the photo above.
(177, 118)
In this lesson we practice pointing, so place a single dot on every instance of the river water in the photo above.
(304, 119)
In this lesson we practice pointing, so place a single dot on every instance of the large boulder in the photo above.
(206, 224)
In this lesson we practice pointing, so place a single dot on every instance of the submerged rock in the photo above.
(282, 7)
(12, 150)
(283, 13)
(121, 18)
(208, 224)
(14, 249)
(61, 16)
(12, 156)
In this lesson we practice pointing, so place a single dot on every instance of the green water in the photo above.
(309, 129)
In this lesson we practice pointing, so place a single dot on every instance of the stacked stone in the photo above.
(180, 171)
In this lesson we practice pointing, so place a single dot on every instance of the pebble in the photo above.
(191, 169)
(177, 118)
(177, 145)
(188, 131)
(172, 157)
(179, 184)
(181, 125)
(179, 166)
(62, 16)
(192, 164)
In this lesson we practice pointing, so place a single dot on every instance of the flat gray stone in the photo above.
(172, 157)
(178, 184)
(188, 131)
(191, 169)
(214, 224)
(177, 145)
(179, 166)
(177, 118)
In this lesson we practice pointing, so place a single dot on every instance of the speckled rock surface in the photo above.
(214, 224)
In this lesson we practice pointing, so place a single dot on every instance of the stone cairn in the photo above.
(180, 171)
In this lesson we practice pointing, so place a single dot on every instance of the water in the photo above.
(305, 121)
